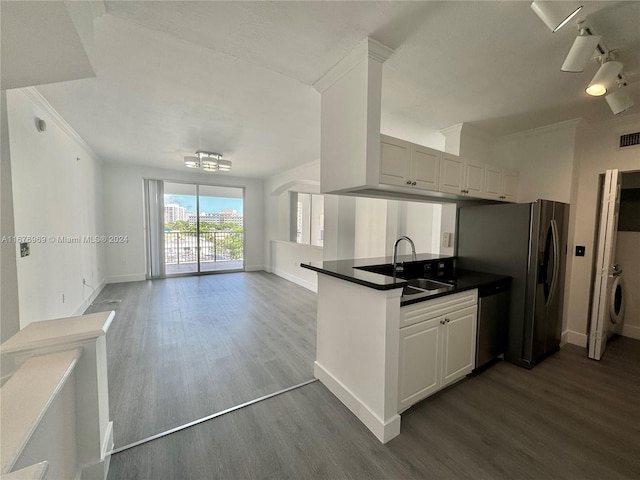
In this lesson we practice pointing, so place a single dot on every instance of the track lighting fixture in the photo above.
(618, 99)
(581, 51)
(208, 161)
(555, 14)
(605, 78)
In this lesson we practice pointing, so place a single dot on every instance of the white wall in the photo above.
(57, 192)
(124, 215)
(544, 159)
(627, 257)
(596, 152)
(370, 227)
(9, 306)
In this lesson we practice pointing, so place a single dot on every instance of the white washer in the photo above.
(616, 305)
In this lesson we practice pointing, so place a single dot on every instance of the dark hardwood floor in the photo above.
(568, 418)
(183, 348)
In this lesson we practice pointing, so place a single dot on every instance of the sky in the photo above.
(207, 204)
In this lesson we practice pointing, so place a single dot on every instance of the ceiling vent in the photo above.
(629, 140)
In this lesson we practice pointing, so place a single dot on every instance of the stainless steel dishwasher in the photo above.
(493, 321)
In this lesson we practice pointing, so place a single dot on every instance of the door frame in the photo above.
(197, 184)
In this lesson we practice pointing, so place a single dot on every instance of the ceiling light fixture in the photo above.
(555, 15)
(581, 51)
(208, 161)
(192, 162)
(605, 78)
(618, 100)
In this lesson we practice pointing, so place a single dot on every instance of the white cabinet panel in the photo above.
(438, 345)
(419, 345)
(509, 186)
(459, 344)
(395, 158)
(473, 179)
(451, 173)
(426, 167)
(408, 165)
(492, 182)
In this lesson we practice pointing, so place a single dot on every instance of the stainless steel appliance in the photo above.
(528, 242)
(493, 320)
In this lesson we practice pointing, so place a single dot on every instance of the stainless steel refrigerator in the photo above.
(527, 241)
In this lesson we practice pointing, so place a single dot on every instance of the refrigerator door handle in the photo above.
(556, 261)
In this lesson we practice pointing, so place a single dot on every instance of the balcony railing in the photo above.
(217, 246)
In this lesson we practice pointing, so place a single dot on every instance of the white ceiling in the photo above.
(237, 77)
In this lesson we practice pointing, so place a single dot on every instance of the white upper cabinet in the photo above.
(395, 161)
(493, 182)
(451, 174)
(474, 181)
(509, 186)
(426, 167)
(409, 165)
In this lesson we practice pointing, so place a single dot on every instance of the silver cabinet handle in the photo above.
(408, 182)
(447, 320)
(441, 322)
(413, 183)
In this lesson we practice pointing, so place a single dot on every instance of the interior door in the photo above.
(604, 263)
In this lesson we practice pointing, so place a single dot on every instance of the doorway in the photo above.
(202, 230)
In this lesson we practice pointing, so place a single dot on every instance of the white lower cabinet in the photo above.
(437, 345)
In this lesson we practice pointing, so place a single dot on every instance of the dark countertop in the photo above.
(460, 280)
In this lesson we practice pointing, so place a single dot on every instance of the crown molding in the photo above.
(368, 49)
(36, 98)
(573, 123)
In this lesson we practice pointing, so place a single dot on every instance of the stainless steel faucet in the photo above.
(400, 268)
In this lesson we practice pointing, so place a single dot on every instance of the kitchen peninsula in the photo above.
(387, 338)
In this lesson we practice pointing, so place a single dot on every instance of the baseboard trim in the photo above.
(631, 331)
(134, 277)
(384, 431)
(297, 280)
(100, 470)
(254, 268)
(89, 300)
(574, 338)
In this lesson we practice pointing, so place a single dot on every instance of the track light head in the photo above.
(605, 78)
(581, 52)
(555, 15)
(619, 101)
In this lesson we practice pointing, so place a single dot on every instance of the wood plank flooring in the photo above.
(568, 418)
(183, 348)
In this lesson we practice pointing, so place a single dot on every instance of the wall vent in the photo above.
(629, 140)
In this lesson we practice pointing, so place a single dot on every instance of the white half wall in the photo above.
(57, 200)
(286, 258)
(124, 215)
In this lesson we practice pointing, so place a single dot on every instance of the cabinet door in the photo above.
(420, 352)
(425, 167)
(459, 344)
(395, 159)
(492, 182)
(473, 178)
(509, 186)
(451, 173)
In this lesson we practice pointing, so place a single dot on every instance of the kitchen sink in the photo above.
(428, 284)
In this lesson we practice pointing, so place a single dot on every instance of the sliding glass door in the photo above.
(221, 228)
(203, 230)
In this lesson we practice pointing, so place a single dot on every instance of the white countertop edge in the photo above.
(68, 330)
(36, 371)
(32, 472)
